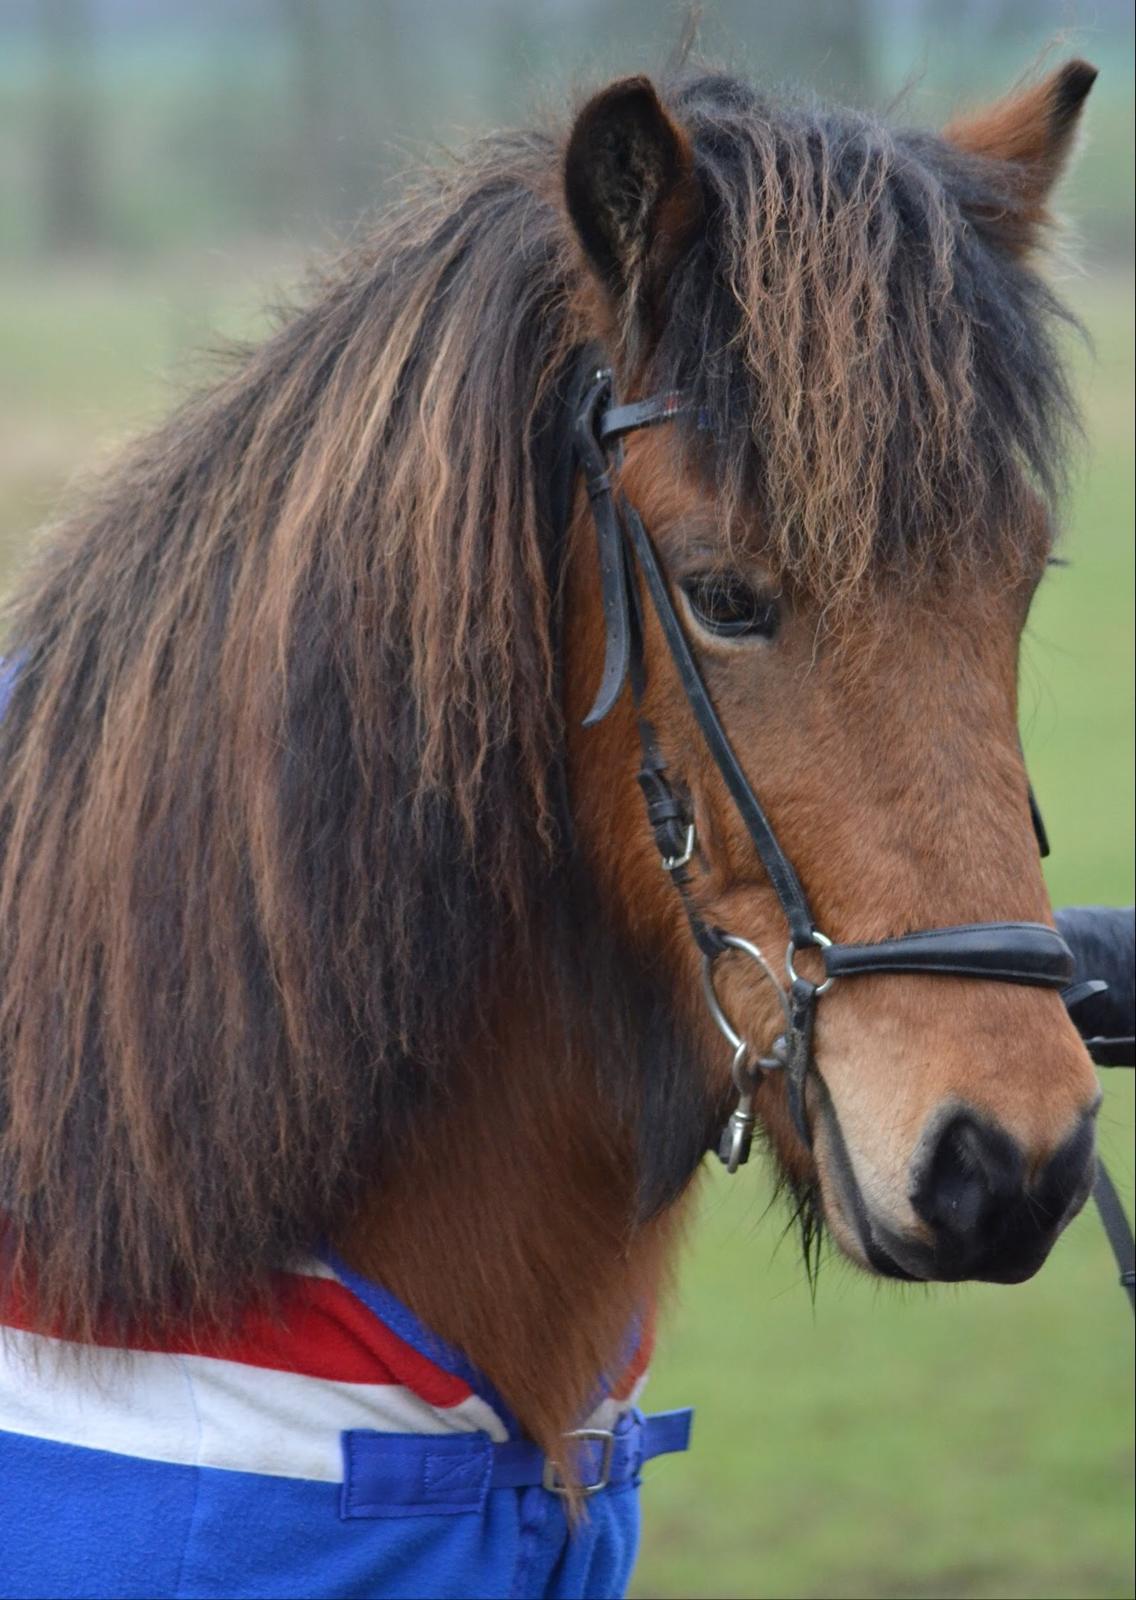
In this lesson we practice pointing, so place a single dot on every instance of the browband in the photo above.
(615, 421)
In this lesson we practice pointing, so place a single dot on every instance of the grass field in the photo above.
(954, 1442)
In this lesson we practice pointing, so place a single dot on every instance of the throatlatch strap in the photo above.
(612, 560)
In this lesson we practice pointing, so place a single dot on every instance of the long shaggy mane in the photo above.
(278, 770)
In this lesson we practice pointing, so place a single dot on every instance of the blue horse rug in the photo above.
(332, 1447)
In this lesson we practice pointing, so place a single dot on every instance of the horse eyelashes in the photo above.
(728, 605)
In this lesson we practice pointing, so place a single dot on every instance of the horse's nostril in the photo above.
(1067, 1176)
(972, 1172)
(990, 1215)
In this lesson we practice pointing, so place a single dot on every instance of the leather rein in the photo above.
(1000, 952)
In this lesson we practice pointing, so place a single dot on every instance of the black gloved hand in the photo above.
(1103, 942)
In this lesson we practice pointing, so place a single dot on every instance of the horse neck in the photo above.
(507, 1223)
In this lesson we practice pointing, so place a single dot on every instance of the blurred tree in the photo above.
(831, 45)
(306, 28)
(287, 119)
(70, 126)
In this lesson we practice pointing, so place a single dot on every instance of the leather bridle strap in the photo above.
(617, 421)
(1010, 952)
(1118, 1231)
(610, 551)
(781, 874)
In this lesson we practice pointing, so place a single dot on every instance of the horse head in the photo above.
(852, 511)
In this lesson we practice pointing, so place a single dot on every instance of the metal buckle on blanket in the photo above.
(554, 1483)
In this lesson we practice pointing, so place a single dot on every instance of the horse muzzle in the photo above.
(981, 1209)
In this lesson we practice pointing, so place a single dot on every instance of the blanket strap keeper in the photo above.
(417, 1475)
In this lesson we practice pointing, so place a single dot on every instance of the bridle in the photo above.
(1000, 952)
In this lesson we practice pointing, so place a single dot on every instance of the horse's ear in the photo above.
(1030, 131)
(632, 195)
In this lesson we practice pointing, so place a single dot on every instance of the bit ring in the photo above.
(725, 1027)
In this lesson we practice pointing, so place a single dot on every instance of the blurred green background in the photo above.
(165, 167)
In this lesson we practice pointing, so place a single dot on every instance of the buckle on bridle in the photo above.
(551, 1479)
(674, 863)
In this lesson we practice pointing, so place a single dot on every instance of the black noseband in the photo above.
(1011, 952)
(1003, 952)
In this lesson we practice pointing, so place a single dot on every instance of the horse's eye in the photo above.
(725, 604)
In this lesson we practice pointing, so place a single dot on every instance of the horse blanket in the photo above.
(330, 1447)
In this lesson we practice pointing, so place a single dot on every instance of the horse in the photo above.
(343, 1002)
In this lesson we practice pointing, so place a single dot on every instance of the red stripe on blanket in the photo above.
(311, 1326)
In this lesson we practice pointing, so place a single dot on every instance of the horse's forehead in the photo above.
(677, 490)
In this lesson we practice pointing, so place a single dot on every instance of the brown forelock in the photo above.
(871, 375)
(274, 802)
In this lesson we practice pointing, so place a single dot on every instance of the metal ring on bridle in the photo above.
(823, 943)
(725, 1027)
